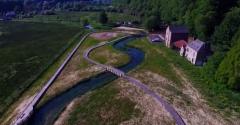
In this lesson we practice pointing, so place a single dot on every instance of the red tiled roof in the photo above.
(180, 43)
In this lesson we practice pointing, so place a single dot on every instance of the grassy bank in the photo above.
(28, 49)
(159, 59)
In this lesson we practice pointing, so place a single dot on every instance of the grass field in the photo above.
(27, 49)
(76, 18)
(161, 60)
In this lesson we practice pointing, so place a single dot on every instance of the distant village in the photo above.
(178, 38)
(29, 8)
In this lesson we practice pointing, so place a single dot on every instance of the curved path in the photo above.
(178, 119)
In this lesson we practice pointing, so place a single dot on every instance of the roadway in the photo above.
(174, 114)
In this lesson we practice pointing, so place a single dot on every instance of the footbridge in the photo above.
(115, 71)
(105, 67)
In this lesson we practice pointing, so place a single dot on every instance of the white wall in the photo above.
(191, 55)
(168, 37)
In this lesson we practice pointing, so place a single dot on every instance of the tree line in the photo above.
(42, 6)
(214, 21)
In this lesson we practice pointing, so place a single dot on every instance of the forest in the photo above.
(214, 21)
(48, 7)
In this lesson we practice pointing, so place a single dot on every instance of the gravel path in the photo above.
(178, 119)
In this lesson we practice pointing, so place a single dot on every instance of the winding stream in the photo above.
(49, 112)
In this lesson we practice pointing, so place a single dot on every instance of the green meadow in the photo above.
(26, 51)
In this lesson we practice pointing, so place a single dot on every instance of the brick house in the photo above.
(195, 52)
(175, 33)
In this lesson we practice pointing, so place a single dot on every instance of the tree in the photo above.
(85, 22)
(222, 38)
(103, 18)
(209, 70)
(229, 70)
(204, 25)
(152, 23)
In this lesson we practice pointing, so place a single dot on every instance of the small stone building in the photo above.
(175, 33)
(196, 52)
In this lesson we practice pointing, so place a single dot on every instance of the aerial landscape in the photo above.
(119, 62)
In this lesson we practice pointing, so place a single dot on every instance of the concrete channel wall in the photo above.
(29, 109)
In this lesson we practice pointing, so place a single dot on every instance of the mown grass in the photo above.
(121, 59)
(102, 107)
(27, 49)
(159, 59)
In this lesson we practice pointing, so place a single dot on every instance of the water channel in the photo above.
(49, 112)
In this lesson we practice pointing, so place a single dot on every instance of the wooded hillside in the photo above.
(214, 21)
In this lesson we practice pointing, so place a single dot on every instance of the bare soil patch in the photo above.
(128, 28)
(153, 112)
(104, 35)
(200, 109)
(65, 115)
(22, 105)
(186, 99)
